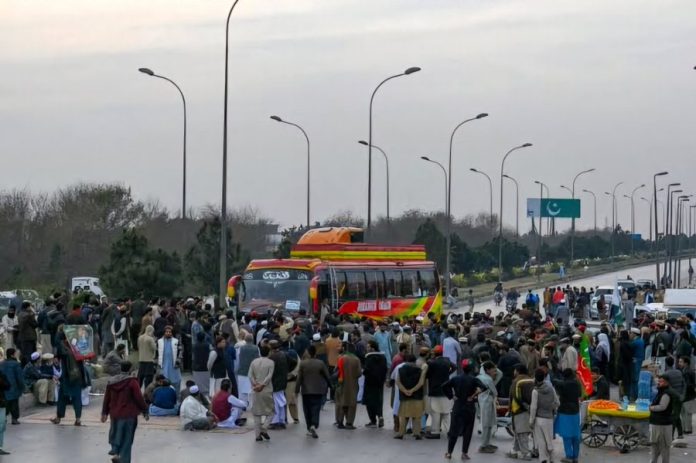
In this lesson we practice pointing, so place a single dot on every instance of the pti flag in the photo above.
(584, 367)
(616, 309)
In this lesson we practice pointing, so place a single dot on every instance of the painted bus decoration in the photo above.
(332, 268)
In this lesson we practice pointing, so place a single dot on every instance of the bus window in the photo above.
(375, 285)
(356, 285)
(428, 282)
(341, 285)
(411, 286)
(393, 283)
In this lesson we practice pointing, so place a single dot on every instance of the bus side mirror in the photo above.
(233, 285)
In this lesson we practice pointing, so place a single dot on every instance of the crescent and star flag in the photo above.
(616, 309)
(584, 367)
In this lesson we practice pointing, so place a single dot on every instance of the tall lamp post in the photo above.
(594, 197)
(444, 171)
(670, 232)
(223, 207)
(386, 163)
(656, 234)
(448, 238)
(567, 189)
(490, 194)
(680, 226)
(149, 72)
(572, 222)
(500, 218)
(541, 197)
(407, 72)
(633, 214)
(278, 119)
(613, 216)
(517, 203)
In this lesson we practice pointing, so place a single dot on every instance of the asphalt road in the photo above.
(46, 442)
(605, 279)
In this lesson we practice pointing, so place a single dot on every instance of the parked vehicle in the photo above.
(90, 284)
(645, 283)
(8, 298)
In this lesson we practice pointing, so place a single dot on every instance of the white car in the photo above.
(90, 284)
(605, 292)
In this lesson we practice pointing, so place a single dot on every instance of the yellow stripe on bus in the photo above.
(361, 255)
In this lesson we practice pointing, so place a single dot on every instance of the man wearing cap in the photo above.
(438, 405)
(41, 384)
(194, 416)
(661, 419)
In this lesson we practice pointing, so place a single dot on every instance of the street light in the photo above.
(448, 239)
(386, 161)
(613, 216)
(490, 193)
(633, 214)
(680, 219)
(572, 223)
(407, 72)
(500, 218)
(444, 171)
(657, 234)
(567, 189)
(594, 197)
(541, 197)
(670, 220)
(517, 203)
(278, 119)
(223, 207)
(151, 73)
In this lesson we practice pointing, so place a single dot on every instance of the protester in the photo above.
(567, 424)
(4, 387)
(147, 355)
(347, 375)
(521, 391)
(163, 399)
(112, 361)
(463, 388)
(375, 372)
(169, 357)
(123, 402)
(312, 382)
(661, 420)
(227, 408)
(439, 407)
(40, 383)
(194, 415)
(260, 377)
(542, 409)
(486, 401)
(12, 370)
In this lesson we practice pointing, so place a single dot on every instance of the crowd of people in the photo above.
(438, 375)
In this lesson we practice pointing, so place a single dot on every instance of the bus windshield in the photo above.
(287, 287)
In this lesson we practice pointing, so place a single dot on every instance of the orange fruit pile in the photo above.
(604, 405)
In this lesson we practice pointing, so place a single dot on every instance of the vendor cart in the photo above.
(627, 428)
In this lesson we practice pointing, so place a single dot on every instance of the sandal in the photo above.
(78, 423)
(55, 420)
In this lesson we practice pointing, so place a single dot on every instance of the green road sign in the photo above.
(553, 207)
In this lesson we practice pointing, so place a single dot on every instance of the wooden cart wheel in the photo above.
(626, 437)
(592, 435)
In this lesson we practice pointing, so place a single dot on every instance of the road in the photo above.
(42, 441)
(605, 279)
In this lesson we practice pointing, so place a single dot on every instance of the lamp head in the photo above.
(661, 173)
(276, 118)
(363, 142)
(425, 158)
(473, 170)
(674, 184)
(526, 145)
(482, 115)
(146, 71)
(411, 70)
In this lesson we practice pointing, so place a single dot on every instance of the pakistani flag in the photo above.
(616, 310)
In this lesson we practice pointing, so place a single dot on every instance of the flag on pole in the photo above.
(584, 367)
(616, 309)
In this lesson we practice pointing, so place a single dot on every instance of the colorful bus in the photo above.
(330, 268)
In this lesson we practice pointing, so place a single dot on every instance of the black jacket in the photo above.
(280, 370)
(375, 370)
(438, 373)
(569, 394)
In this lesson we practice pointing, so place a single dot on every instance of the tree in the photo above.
(203, 258)
(134, 267)
(434, 241)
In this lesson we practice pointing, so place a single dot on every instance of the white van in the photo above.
(90, 284)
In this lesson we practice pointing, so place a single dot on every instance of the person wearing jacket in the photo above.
(567, 422)
(313, 381)
(12, 370)
(112, 361)
(438, 405)
(72, 380)
(123, 402)
(375, 373)
(38, 382)
(541, 411)
(463, 389)
(410, 381)
(521, 391)
(27, 332)
(169, 357)
(147, 355)
(661, 420)
(689, 401)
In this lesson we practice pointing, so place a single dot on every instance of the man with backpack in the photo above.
(520, 401)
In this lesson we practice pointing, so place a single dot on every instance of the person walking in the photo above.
(661, 420)
(147, 355)
(439, 406)
(260, 377)
(567, 423)
(12, 370)
(348, 373)
(281, 368)
(541, 412)
(72, 380)
(123, 402)
(689, 403)
(464, 389)
(375, 373)
(313, 380)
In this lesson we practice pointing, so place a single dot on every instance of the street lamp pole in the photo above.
(517, 203)
(633, 215)
(444, 171)
(490, 193)
(680, 225)
(447, 259)
(650, 217)
(670, 219)
(223, 207)
(386, 162)
(278, 119)
(407, 72)
(448, 238)
(149, 72)
(572, 223)
(665, 211)
(541, 198)
(594, 197)
(500, 218)
(613, 217)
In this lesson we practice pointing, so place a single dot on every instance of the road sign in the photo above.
(553, 207)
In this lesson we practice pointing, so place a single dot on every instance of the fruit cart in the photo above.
(627, 428)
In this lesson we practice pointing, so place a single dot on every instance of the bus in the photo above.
(331, 269)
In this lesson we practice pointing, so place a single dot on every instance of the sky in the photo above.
(592, 84)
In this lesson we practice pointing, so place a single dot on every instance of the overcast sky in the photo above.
(592, 83)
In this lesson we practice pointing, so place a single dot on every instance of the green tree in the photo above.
(434, 241)
(203, 258)
(134, 267)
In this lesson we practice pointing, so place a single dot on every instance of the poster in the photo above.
(81, 339)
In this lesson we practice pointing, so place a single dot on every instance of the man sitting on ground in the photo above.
(194, 416)
(202, 398)
(227, 408)
(164, 399)
(38, 382)
(112, 361)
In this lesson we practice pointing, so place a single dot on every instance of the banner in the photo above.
(584, 367)
(81, 339)
(553, 207)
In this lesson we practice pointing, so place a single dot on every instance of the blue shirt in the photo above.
(164, 397)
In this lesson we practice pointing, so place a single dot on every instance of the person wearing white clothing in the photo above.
(227, 408)
(193, 415)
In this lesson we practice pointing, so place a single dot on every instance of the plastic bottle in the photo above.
(624, 403)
